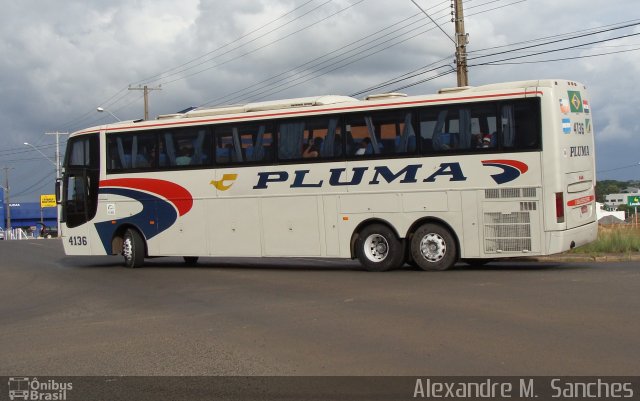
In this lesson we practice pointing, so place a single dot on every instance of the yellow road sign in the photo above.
(48, 200)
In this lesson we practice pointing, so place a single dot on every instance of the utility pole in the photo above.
(146, 90)
(460, 41)
(7, 230)
(58, 167)
(461, 44)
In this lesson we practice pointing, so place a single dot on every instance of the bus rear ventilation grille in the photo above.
(509, 193)
(528, 206)
(510, 218)
(497, 245)
(507, 232)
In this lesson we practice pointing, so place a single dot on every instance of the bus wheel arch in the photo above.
(441, 235)
(377, 245)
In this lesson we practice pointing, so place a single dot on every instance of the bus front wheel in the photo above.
(378, 248)
(133, 248)
(433, 247)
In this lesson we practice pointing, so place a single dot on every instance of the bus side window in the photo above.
(130, 151)
(322, 138)
(525, 122)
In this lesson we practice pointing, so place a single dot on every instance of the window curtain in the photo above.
(437, 131)
(372, 134)
(465, 129)
(123, 159)
(290, 140)
(171, 150)
(258, 149)
(134, 152)
(407, 132)
(77, 155)
(197, 151)
(326, 150)
(508, 126)
(236, 156)
(87, 154)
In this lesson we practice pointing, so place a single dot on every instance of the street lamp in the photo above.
(46, 157)
(101, 110)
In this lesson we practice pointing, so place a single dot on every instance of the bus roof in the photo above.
(261, 109)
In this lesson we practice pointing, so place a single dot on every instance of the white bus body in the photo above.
(433, 186)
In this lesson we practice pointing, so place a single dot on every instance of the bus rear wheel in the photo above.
(378, 248)
(433, 247)
(133, 248)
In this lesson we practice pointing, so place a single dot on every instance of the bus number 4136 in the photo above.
(78, 241)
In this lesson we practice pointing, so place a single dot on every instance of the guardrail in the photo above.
(15, 234)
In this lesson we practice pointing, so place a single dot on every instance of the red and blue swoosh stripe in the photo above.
(162, 203)
(511, 169)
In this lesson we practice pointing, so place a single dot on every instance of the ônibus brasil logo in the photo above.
(23, 388)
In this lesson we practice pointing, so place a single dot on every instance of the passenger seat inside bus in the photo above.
(445, 140)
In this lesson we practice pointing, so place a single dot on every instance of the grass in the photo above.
(613, 239)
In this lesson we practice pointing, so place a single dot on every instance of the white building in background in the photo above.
(615, 200)
(602, 212)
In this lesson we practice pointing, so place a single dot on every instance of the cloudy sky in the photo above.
(62, 59)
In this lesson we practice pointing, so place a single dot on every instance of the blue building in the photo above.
(27, 214)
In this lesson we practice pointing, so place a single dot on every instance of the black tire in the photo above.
(433, 247)
(190, 260)
(409, 260)
(378, 249)
(133, 248)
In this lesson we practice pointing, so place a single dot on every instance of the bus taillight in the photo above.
(559, 207)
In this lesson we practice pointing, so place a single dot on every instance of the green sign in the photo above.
(575, 101)
(633, 200)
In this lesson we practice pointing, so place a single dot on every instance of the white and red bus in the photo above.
(472, 174)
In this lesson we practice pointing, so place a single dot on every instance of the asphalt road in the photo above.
(88, 316)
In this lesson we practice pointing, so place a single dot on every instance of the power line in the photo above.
(554, 36)
(23, 149)
(413, 74)
(160, 75)
(317, 71)
(618, 168)
(557, 40)
(554, 50)
(402, 23)
(592, 31)
(280, 83)
(262, 47)
(33, 186)
(109, 102)
(495, 8)
(404, 77)
(566, 58)
(442, 74)
(432, 20)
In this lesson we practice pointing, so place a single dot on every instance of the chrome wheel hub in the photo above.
(433, 247)
(127, 249)
(376, 248)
